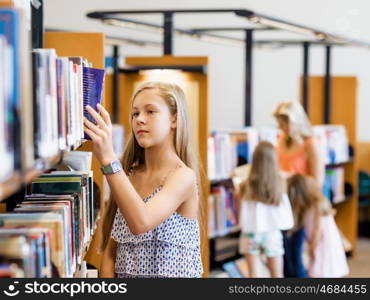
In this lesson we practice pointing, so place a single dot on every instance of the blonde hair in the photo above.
(304, 194)
(264, 183)
(293, 112)
(134, 154)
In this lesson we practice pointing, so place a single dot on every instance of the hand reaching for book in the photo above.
(100, 134)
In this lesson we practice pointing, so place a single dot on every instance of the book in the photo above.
(231, 268)
(64, 210)
(18, 87)
(61, 102)
(78, 67)
(93, 81)
(78, 184)
(73, 203)
(42, 264)
(9, 30)
(6, 114)
(51, 221)
(15, 250)
(79, 160)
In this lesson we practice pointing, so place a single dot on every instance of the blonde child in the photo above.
(151, 227)
(265, 211)
(314, 214)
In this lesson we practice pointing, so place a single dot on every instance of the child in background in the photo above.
(265, 211)
(314, 214)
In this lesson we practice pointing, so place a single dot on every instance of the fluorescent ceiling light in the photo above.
(219, 40)
(132, 25)
(285, 26)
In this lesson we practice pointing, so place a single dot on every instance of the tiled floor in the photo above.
(359, 265)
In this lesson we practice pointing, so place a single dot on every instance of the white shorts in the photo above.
(270, 243)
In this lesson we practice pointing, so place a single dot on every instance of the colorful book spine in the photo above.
(93, 81)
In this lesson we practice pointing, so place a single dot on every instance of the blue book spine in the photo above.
(9, 27)
(93, 81)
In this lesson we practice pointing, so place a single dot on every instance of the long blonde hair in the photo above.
(134, 154)
(304, 194)
(264, 183)
(293, 112)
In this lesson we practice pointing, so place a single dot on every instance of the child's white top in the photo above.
(256, 216)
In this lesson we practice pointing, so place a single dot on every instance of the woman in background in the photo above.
(297, 149)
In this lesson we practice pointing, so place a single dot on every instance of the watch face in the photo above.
(116, 166)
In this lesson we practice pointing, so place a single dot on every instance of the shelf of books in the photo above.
(49, 209)
(90, 46)
(225, 154)
(229, 157)
(342, 111)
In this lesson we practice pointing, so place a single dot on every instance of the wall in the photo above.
(275, 71)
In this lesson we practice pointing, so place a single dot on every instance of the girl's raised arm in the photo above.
(140, 216)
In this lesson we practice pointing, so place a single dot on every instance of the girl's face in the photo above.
(152, 121)
(284, 125)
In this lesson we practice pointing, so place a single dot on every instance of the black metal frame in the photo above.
(321, 37)
(167, 21)
(248, 77)
(168, 33)
(327, 89)
(115, 91)
(305, 90)
(37, 23)
(135, 69)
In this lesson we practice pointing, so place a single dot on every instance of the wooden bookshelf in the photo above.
(195, 86)
(91, 47)
(363, 155)
(19, 178)
(342, 111)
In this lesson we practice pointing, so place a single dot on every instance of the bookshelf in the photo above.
(60, 232)
(195, 85)
(226, 162)
(90, 46)
(20, 178)
(364, 196)
(342, 111)
(363, 149)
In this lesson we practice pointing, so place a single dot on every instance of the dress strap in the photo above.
(166, 176)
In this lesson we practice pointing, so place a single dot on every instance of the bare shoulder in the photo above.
(182, 181)
(312, 145)
(184, 175)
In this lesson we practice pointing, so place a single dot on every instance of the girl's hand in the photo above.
(101, 135)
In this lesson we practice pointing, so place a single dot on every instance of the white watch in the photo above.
(113, 167)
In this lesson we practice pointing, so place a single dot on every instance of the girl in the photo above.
(265, 210)
(314, 214)
(151, 227)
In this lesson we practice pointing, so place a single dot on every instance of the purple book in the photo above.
(93, 81)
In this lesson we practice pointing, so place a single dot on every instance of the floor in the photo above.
(359, 265)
